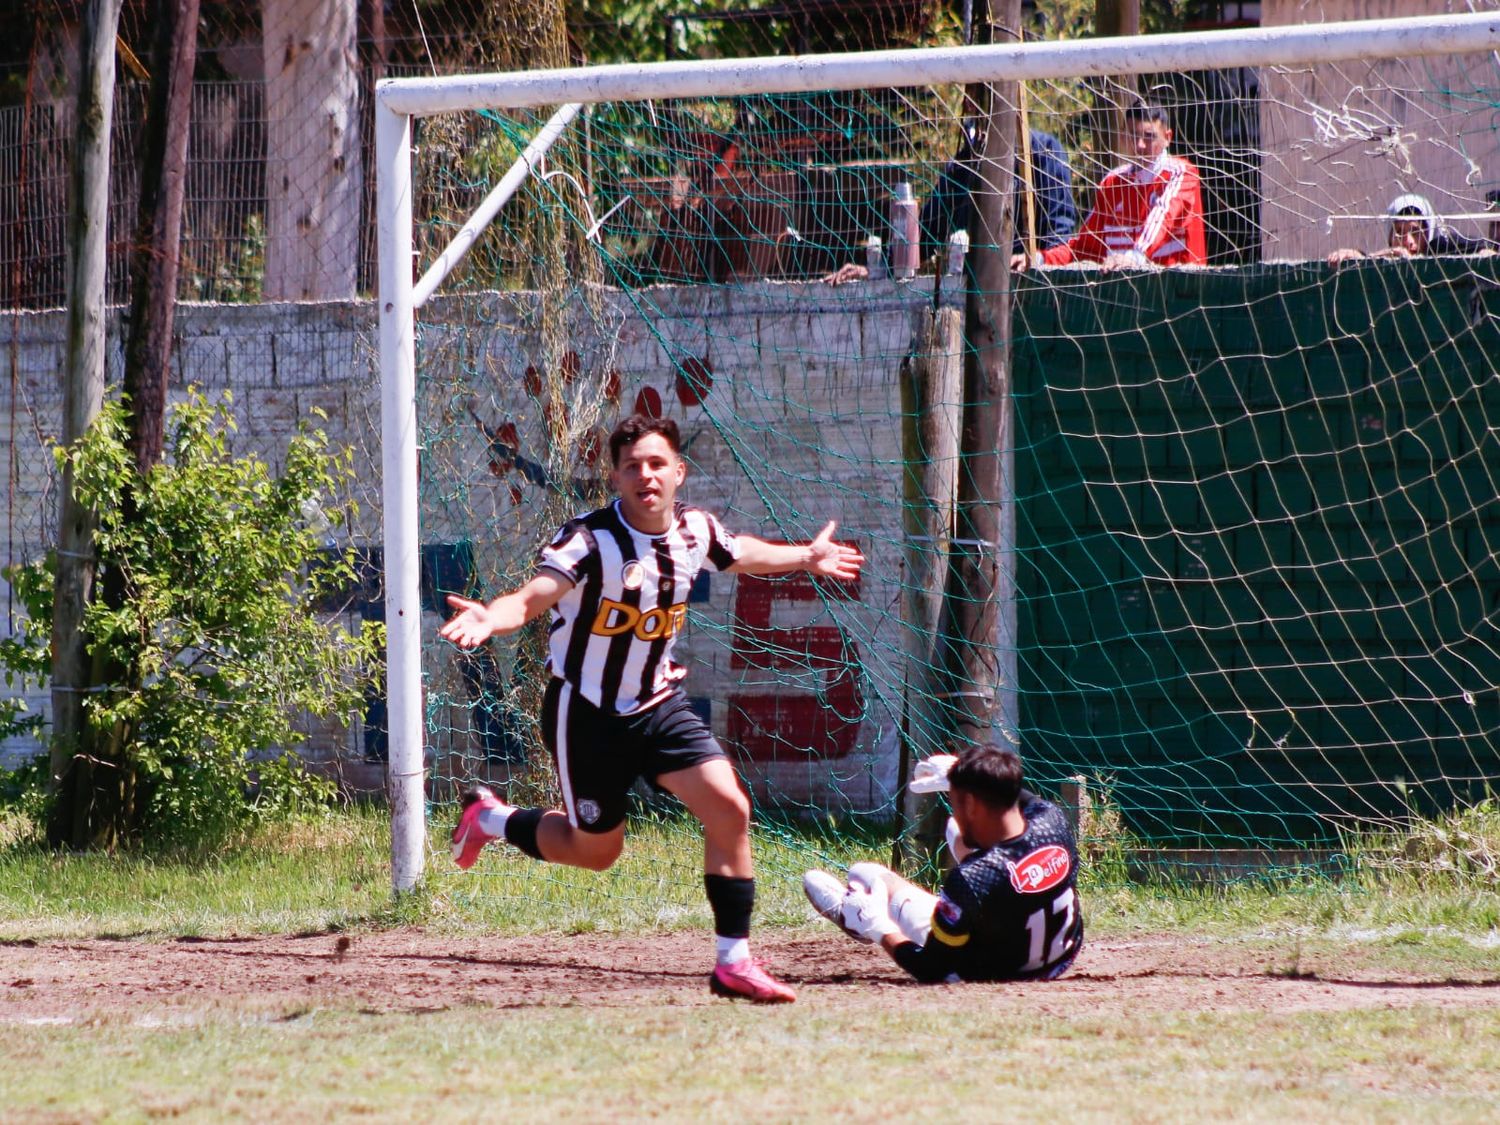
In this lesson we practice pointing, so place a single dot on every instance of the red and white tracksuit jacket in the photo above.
(1156, 211)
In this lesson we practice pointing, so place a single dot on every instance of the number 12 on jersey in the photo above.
(1054, 920)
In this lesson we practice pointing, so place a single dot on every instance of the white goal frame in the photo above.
(398, 101)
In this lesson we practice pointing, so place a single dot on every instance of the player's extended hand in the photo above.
(833, 560)
(472, 625)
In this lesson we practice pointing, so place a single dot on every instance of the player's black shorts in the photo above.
(599, 755)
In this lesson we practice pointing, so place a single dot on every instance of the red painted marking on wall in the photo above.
(774, 723)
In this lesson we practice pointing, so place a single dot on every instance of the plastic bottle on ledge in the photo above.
(958, 250)
(905, 233)
(874, 258)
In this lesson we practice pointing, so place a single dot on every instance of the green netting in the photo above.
(1255, 506)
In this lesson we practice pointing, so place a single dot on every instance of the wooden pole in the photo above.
(1027, 178)
(931, 390)
(1115, 18)
(83, 395)
(981, 592)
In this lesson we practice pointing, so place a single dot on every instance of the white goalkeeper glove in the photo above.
(955, 837)
(930, 775)
(866, 912)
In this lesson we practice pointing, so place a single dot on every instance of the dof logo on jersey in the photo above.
(1040, 871)
(615, 618)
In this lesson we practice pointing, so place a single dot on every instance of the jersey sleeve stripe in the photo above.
(568, 553)
(955, 940)
(587, 607)
(723, 550)
(1156, 219)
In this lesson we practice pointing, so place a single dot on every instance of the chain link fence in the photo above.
(280, 185)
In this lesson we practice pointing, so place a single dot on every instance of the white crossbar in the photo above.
(1196, 50)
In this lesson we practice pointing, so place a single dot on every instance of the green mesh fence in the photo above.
(1255, 506)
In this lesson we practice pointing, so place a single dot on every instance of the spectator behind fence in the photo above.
(1147, 212)
(951, 207)
(1416, 231)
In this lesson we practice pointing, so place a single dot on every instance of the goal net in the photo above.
(1251, 517)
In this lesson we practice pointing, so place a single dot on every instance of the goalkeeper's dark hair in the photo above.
(637, 426)
(991, 773)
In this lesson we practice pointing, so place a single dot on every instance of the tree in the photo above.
(313, 175)
(158, 233)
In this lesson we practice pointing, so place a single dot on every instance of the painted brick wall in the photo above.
(800, 425)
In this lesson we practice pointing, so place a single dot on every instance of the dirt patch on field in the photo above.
(413, 971)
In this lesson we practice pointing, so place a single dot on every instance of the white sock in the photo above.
(911, 910)
(492, 821)
(731, 949)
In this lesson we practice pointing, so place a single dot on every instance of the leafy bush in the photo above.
(211, 645)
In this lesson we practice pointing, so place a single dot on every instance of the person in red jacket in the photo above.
(1147, 212)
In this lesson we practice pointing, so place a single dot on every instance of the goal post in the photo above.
(742, 442)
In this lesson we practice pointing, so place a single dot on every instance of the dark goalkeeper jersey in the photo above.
(1009, 912)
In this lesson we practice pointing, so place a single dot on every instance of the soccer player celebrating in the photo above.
(1008, 911)
(617, 582)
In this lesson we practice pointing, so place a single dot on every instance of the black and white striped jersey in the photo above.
(613, 632)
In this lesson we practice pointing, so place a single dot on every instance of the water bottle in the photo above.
(874, 259)
(905, 233)
(958, 249)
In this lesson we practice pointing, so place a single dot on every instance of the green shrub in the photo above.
(211, 645)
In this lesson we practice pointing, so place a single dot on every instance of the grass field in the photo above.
(279, 982)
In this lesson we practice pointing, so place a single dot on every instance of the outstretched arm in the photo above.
(822, 556)
(475, 622)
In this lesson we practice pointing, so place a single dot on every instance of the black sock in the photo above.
(732, 900)
(520, 831)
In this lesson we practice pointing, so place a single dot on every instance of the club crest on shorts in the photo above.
(588, 811)
(1042, 870)
(632, 575)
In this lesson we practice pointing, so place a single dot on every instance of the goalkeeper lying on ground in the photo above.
(1008, 911)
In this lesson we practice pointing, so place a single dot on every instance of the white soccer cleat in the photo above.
(826, 893)
(868, 876)
(866, 912)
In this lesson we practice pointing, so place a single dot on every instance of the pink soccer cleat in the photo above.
(748, 980)
(468, 838)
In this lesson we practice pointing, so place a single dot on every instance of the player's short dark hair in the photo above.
(991, 773)
(637, 426)
(1148, 111)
